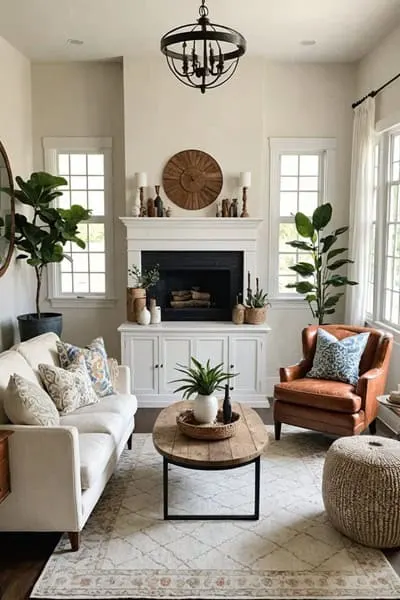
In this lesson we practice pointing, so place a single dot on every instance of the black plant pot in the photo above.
(30, 326)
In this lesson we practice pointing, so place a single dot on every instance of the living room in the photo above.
(76, 85)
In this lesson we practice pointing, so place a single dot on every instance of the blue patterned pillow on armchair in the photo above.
(338, 359)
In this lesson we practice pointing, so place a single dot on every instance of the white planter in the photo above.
(205, 408)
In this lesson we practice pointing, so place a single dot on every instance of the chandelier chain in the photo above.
(203, 10)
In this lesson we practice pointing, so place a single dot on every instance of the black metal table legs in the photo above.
(223, 517)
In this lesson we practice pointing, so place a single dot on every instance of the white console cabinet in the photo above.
(152, 353)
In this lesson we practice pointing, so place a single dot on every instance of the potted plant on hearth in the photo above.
(139, 282)
(204, 381)
(256, 305)
(40, 237)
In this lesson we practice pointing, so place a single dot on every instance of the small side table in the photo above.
(5, 488)
(389, 414)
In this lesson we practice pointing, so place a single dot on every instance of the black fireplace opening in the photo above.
(196, 285)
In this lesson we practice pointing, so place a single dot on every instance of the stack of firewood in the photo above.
(190, 299)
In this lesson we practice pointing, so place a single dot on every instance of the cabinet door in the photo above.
(245, 358)
(212, 347)
(142, 357)
(173, 350)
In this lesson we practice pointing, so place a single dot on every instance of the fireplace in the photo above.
(196, 285)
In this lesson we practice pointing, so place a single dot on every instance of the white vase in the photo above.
(144, 316)
(155, 313)
(205, 408)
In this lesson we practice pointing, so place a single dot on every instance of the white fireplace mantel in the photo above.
(193, 234)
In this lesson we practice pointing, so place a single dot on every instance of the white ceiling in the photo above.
(343, 29)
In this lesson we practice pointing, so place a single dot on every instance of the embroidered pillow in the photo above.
(28, 404)
(69, 388)
(338, 359)
(96, 362)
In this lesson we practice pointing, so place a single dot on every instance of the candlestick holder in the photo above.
(143, 211)
(244, 212)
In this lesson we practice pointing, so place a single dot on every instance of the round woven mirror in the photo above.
(7, 212)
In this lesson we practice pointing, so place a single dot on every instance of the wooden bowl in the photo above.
(209, 431)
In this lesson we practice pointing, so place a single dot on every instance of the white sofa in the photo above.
(58, 473)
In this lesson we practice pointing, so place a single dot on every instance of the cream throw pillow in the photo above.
(69, 388)
(28, 404)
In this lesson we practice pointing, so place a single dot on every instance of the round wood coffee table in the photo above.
(242, 449)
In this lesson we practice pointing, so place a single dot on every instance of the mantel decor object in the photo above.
(203, 55)
(256, 304)
(192, 179)
(245, 184)
(141, 179)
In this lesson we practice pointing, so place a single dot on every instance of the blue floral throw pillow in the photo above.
(338, 359)
(96, 361)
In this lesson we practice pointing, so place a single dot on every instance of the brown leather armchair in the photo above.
(332, 406)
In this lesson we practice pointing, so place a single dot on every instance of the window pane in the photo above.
(96, 202)
(287, 233)
(289, 164)
(83, 235)
(78, 183)
(95, 164)
(63, 164)
(389, 273)
(396, 148)
(79, 198)
(66, 283)
(288, 204)
(308, 202)
(391, 240)
(395, 309)
(387, 313)
(308, 184)
(96, 237)
(80, 262)
(309, 165)
(95, 183)
(64, 187)
(393, 203)
(66, 266)
(64, 201)
(97, 263)
(396, 275)
(81, 283)
(97, 283)
(283, 281)
(78, 164)
(396, 171)
(286, 261)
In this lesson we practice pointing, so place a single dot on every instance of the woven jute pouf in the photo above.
(361, 489)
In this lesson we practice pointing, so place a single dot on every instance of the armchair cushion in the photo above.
(320, 393)
(338, 360)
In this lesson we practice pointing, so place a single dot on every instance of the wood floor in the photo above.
(23, 556)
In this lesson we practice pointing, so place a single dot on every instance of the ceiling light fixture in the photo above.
(74, 42)
(308, 42)
(203, 55)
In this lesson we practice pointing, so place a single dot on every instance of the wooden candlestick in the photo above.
(244, 212)
(142, 206)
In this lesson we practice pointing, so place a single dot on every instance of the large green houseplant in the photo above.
(41, 236)
(320, 277)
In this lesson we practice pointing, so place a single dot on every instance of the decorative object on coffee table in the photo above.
(256, 304)
(192, 179)
(140, 282)
(361, 488)
(245, 184)
(158, 203)
(227, 406)
(204, 381)
(242, 449)
(218, 430)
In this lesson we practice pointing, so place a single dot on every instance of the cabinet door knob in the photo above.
(232, 366)
(156, 366)
(161, 366)
(231, 388)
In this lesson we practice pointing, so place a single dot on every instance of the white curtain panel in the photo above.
(361, 191)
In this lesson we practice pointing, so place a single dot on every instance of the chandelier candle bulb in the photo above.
(245, 179)
(141, 180)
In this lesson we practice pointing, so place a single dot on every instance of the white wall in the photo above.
(86, 99)
(376, 68)
(233, 124)
(16, 286)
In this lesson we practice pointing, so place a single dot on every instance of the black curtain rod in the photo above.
(373, 93)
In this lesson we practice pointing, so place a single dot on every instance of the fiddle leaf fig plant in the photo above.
(41, 237)
(320, 279)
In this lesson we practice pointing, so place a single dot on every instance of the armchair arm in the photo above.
(124, 380)
(370, 385)
(45, 480)
(295, 371)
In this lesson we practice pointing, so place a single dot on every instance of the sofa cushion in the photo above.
(95, 450)
(122, 404)
(12, 362)
(40, 349)
(320, 393)
(28, 404)
(99, 422)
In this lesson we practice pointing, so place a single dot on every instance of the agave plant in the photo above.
(201, 379)
(258, 299)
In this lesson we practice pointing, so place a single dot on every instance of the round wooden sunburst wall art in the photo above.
(192, 179)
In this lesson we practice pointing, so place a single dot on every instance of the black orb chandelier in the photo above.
(203, 55)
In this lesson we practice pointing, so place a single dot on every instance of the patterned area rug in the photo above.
(128, 551)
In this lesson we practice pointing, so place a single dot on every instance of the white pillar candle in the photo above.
(245, 179)
(141, 179)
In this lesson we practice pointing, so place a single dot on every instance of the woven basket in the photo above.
(210, 431)
(255, 316)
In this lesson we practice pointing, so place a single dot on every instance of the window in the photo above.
(371, 269)
(86, 165)
(384, 297)
(300, 176)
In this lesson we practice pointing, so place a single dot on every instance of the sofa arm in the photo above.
(45, 480)
(370, 385)
(124, 380)
(295, 371)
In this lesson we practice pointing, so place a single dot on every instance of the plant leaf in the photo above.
(332, 300)
(300, 245)
(302, 287)
(304, 269)
(327, 242)
(333, 253)
(341, 230)
(321, 216)
(339, 263)
(303, 225)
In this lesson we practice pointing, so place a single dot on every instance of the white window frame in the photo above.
(380, 265)
(278, 146)
(52, 146)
